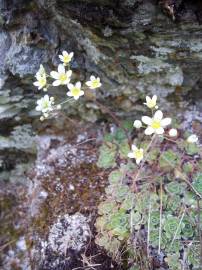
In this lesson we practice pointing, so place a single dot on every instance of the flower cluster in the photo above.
(61, 77)
(154, 125)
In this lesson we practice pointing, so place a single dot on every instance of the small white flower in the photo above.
(151, 102)
(61, 77)
(94, 82)
(75, 90)
(45, 104)
(192, 138)
(137, 124)
(41, 78)
(173, 132)
(59, 107)
(66, 57)
(156, 124)
(136, 153)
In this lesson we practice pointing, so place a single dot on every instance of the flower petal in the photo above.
(131, 155)
(159, 131)
(69, 94)
(147, 120)
(154, 98)
(149, 131)
(61, 69)
(158, 115)
(56, 83)
(148, 99)
(70, 86)
(78, 85)
(64, 53)
(92, 78)
(36, 84)
(69, 73)
(138, 160)
(134, 147)
(54, 74)
(165, 122)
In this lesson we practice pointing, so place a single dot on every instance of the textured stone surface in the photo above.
(132, 45)
(137, 47)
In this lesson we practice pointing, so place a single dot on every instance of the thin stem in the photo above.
(143, 162)
(148, 230)
(161, 210)
(168, 139)
(105, 109)
(177, 229)
(199, 230)
(183, 177)
(65, 101)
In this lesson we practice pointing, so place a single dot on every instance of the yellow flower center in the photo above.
(156, 124)
(138, 154)
(46, 104)
(95, 83)
(66, 59)
(42, 82)
(75, 91)
(63, 77)
(151, 104)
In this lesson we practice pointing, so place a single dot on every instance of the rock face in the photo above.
(134, 46)
(131, 44)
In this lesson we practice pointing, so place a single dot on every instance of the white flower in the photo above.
(66, 57)
(61, 77)
(192, 138)
(173, 132)
(151, 102)
(137, 124)
(156, 124)
(45, 104)
(94, 82)
(136, 153)
(41, 78)
(75, 90)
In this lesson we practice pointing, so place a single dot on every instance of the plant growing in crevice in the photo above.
(62, 77)
(151, 215)
(152, 209)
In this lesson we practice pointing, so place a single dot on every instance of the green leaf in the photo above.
(188, 167)
(173, 261)
(175, 187)
(192, 148)
(154, 219)
(128, 202)
(121, 193)
(198, 183)
(188, 230)
(124, 149)
(106, 207)
(120, 135)
(115, 177)
(168, 160)
(194, 256)
(107, 156)
(171, 226)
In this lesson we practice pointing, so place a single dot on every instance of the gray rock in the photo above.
(69, 232)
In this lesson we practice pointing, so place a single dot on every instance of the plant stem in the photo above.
(199, 230)
(105, 109)
(182, 176)
(148, 232)
(161, 208)
(177, 229)
(143, 162)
